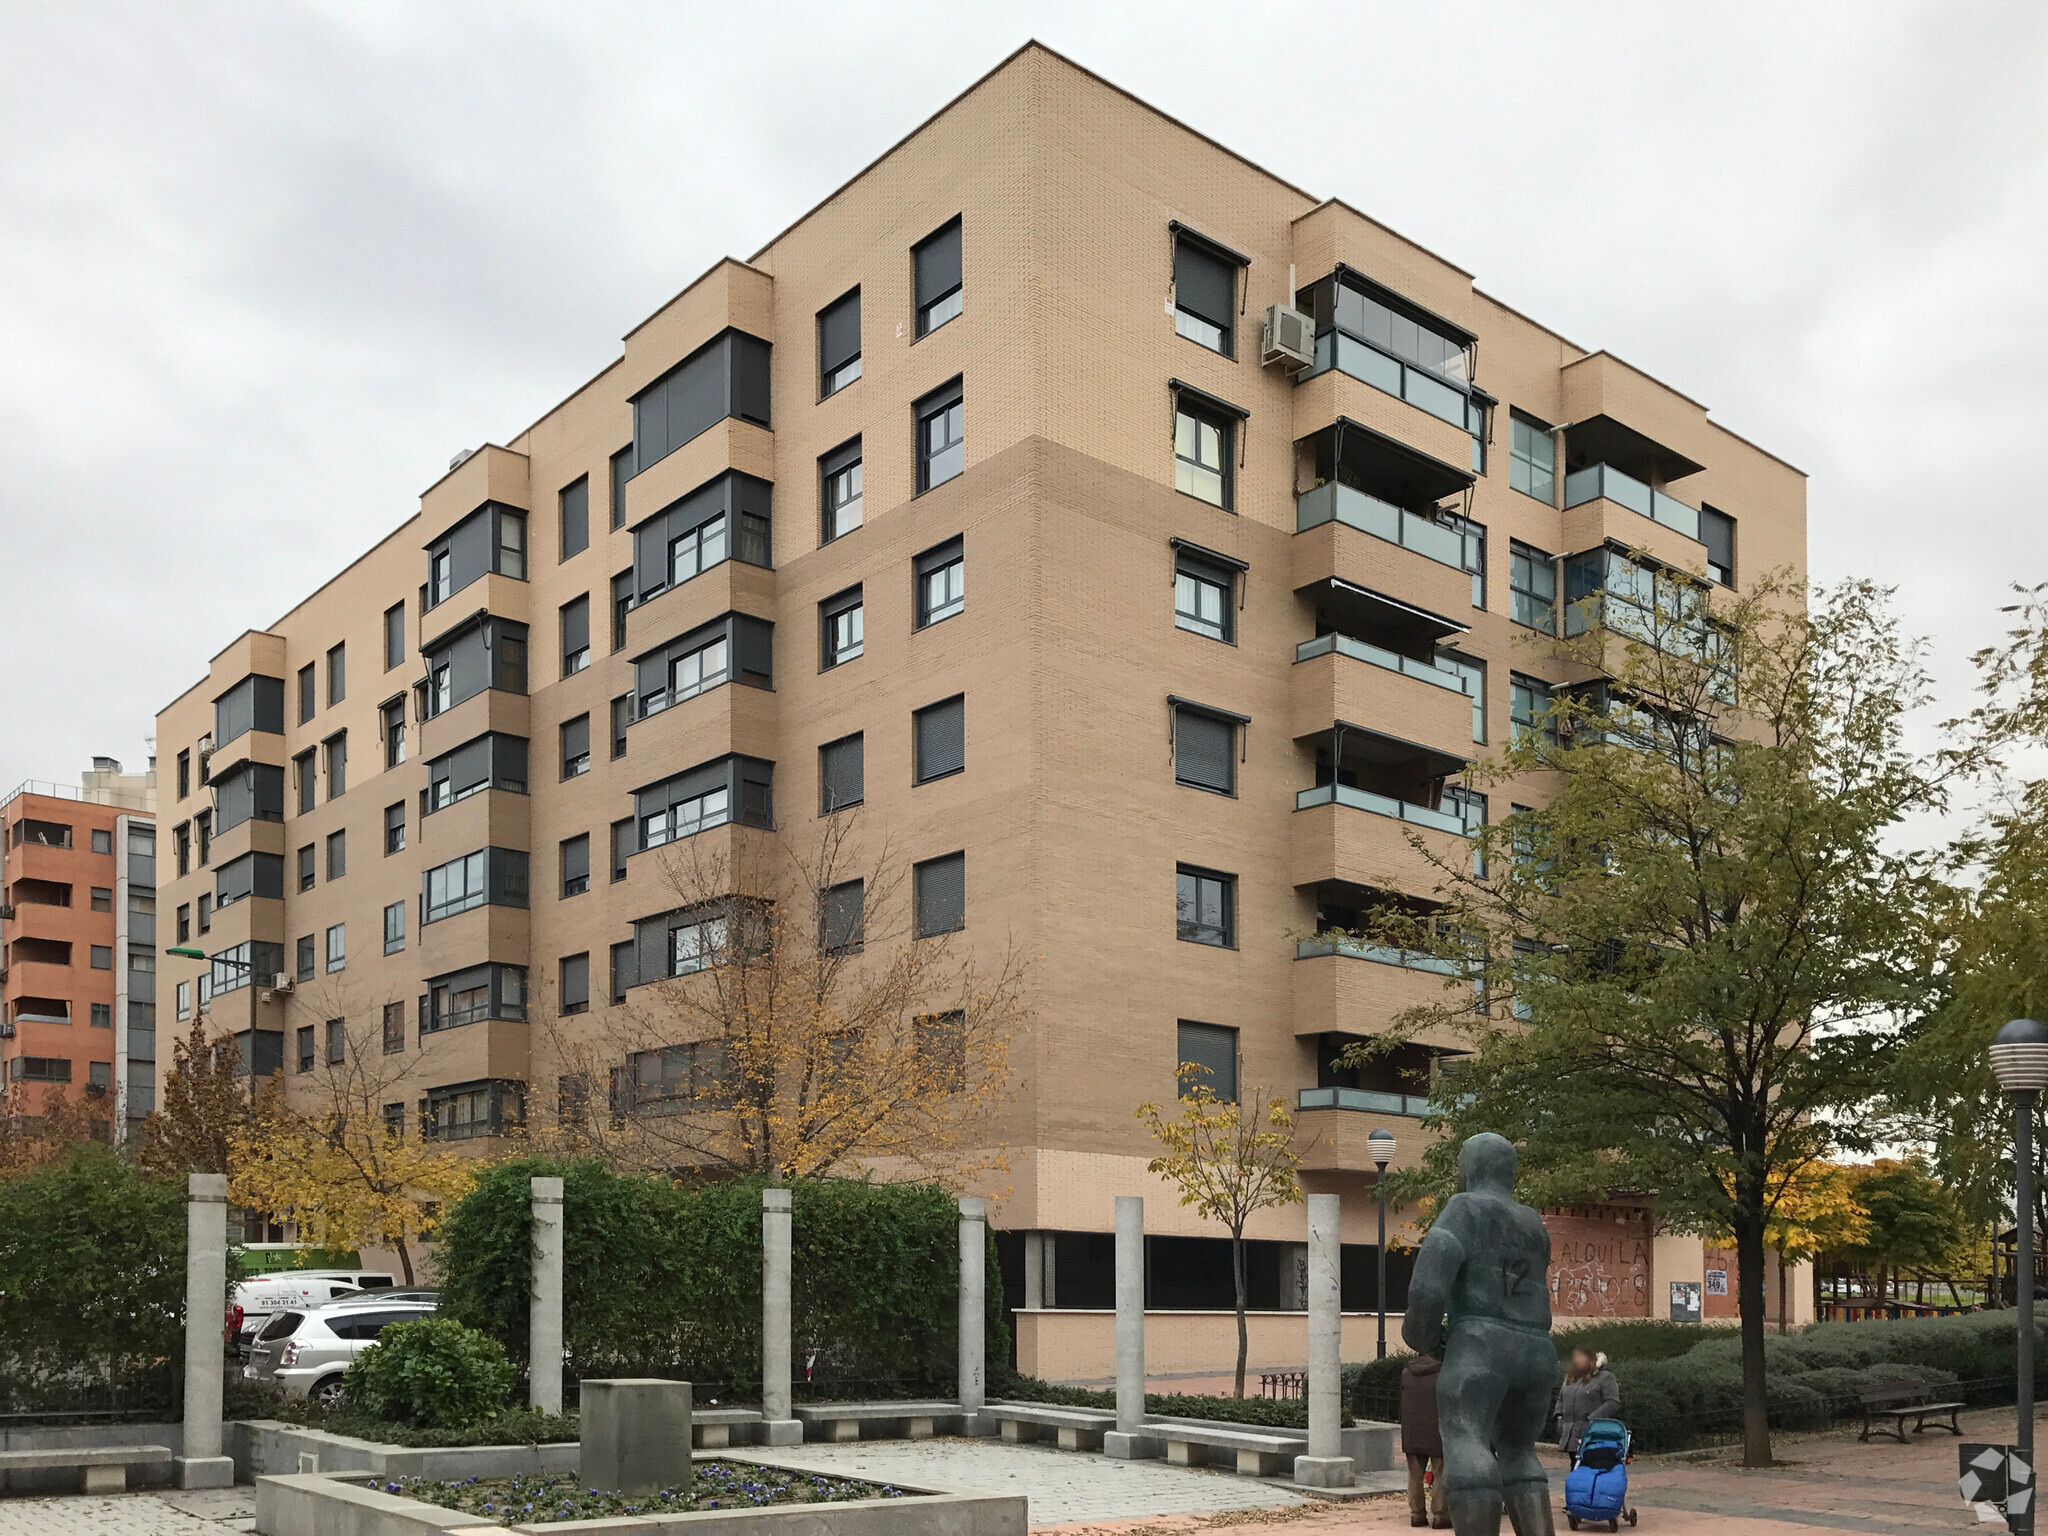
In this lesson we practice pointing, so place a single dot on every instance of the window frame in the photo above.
(572, 525)
(850, 600)
(1204, 249)
(572, 618)
(833, 376)
(1234, 723)
(575, 764)
(834, 465)
(569, 852)
(1226, 885)
(950, 555)
(394, 933)
(928, 868)
(394, 636)
(926, 310)
(1208, 570)
(1522, 466)
(1182, 1055)
(1204, 410)
(918, 768)
(932, 407)
(857, 740)
(1523, 598)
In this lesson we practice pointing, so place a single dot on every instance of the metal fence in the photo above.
(105, 1393)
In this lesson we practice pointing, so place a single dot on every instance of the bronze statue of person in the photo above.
(1480, 1301)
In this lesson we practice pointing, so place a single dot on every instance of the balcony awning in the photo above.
(1603, 440)
(1382, 466)
(1358, 744)
(1385, 620)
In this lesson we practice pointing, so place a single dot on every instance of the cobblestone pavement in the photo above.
(164, 1512)
(1064, 1487)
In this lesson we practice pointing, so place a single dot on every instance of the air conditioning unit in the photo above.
(6, 912)
(281, 981)
(1290, 337)
(6, 1031)
(206, 745)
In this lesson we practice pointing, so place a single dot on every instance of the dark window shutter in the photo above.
(1717, 532)
(841, 925)
(839, 333)
(1214, 1047)
(576, 626)
(842, 770)
(938, 264)
(576, 518)
(942, 895)
(622, 969)
(941, 739)
(1204, 284)
(1205, 751)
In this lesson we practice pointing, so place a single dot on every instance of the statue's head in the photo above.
(1486, 1165)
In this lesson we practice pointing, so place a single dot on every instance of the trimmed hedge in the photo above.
(1275, 1413)
(664, 1279)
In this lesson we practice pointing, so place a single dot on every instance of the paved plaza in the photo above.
(166, 1512)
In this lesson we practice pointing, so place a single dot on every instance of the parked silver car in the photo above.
(303, 1352)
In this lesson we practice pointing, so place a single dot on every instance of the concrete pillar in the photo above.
(778, 1425)
(1128, 1439)
(973, 1307)
(206, 1291)
(1325, 1466)
(635, 1436)
(544, 1309)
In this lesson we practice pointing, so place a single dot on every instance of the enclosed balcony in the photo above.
(1375, 658)
(1377, 797)
(1364, 482)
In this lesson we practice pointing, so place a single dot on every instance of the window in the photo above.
(575, 635)
(102, 898)
(394, 1042)
(939, 734)
(575, 523)
(306, 958)
(1532, 588)
(337, 765)
(1528, 708)
(731, 517)
(141, 962)
(941, 436)
(841, 770)
(1473, 675)
(394, 828)
(256, 703)
(1213, 1048)
(575, 852)
(1204, 293)
(727, 376)
(184, 1000)
(394, 636)
(941, 582)
(488, 877)
(511, 545)
(481, 992)
(337, 674)
(623, 833)
(102, 1015)
(306, 858)
(102, 957)
(203, 824)
(842, 926)
(337, 947)
(394, 928)
(337, 1042)
(622, 716)
(184, 921)
(491, 540)
(1469, 806)
(307, 775)
(575, 746)
(839, 481)
(708, 656)
(337, 855)
(253, 874)
(935, 263)
(309, 697)
(703, 797)
(622, 471)
(482, 653)
(1205, 907)
(575, 983)
(1204, 596)
(394, 732)
(1717, 532)
(941, 895)
(622, 970)
(472, 1110)
(1532, 459)
(838, 344)
(1205, 749)
(840, 628)
(102, 840)
(41, 834)
(305, 1047)
(490, 761)
(184, 774)
(1201, 452)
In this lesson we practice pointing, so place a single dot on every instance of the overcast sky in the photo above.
(265, 267)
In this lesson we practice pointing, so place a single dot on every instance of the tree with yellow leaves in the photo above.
(325, 1154)
(796, 1013)
(1228, 1163)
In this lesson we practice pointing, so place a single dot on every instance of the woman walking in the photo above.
(1589, 1392)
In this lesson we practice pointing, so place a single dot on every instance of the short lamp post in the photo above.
(1379, 1147)
(2019, 1058)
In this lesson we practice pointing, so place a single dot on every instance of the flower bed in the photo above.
(716, 1485)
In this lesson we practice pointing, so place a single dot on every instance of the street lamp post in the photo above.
(1380, 1148)
(2019, 1058)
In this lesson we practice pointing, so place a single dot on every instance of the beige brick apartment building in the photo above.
(977, 463)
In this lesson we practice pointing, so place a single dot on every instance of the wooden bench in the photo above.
(1903, 1400)
(105, 1466)
(843, 1421)
(1077, 1429)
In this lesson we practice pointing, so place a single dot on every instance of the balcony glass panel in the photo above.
(1597, 480)
(1368, 1099)
(1379, 805)
(1332, 502)
(1379, 954)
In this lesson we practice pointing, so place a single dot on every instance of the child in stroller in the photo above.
(1596, 1488)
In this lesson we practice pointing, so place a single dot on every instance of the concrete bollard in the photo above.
(206, 1291)
(973, 1309)
(1127, 1441)
(635, 1436)
(1325, 1465)
(544, 1311)
(778, 1425)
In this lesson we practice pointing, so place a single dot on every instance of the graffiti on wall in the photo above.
(1599, 1262)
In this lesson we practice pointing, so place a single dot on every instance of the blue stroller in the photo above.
(1596, 1488)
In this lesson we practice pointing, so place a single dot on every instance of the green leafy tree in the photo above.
(1911, 1221)
(1692, 954)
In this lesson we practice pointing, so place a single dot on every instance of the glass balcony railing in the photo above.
(1379, 805)
(1331, 502)
(1380, 954)
(1597, 480)
(1371, 1100)
(1359, 650)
